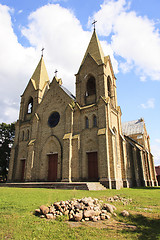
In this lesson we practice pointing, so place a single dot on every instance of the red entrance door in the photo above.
(92, 166)
(52, 167)
(23, 162)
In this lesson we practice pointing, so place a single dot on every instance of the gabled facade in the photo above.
(139, 153)
(60, 137)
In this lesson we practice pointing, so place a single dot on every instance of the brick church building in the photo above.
(65, 138)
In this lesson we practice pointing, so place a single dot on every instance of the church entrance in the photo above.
(52, 167)
(92, 166)
(23, 163)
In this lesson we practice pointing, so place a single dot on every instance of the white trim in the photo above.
(52, 153)
(112, 131)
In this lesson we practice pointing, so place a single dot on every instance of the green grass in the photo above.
(17, 220)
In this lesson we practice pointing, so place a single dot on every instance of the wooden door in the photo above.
(23, 163)
(52, 167)
(92, 166)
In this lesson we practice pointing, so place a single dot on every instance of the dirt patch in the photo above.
(112, 224)
(146, 214)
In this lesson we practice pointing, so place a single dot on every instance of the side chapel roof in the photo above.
(133, 127)
(68, 93)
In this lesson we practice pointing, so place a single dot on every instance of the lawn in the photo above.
(17, 219)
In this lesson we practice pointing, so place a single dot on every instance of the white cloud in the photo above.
(63, 38)
(156, 153)
(107, 16)
(134, 38)
(126, 66)
(65, 42)
(109, 51)
(150, 104)
(20, 11)
(143, 78)
(15, 65)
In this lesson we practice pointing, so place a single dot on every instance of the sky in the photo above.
(128, 31)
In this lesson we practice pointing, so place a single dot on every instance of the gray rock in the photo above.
(104, 211)
(94, 219)
(103, 217)
(50, 216)
(66, 212)
(116, 198)
(110, 208)
(52, 209)
(107, 216)
(125, 213)
(91, 213)
(44, 209)
(37, 212)
(78, 216)
(71, 217)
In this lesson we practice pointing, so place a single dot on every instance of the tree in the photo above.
(7, 133)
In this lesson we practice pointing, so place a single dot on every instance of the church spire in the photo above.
(95, 49)
(40, 75)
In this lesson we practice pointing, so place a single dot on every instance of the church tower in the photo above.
(102, 144)
(95, 77)
(34, 91)
(24, 127)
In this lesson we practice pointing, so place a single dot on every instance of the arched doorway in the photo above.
(92, 166)
(51, 160)
(52, 166)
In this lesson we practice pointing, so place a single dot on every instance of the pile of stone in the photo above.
(117, 198)
(85, 209)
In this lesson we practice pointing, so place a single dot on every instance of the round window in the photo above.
(53, 119)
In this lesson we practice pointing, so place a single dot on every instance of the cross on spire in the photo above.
(56, 72)
(42, 51)
(94, 23)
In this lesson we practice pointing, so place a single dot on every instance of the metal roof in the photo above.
(68, 92)
(133, 127)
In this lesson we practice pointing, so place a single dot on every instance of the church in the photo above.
(60, 137)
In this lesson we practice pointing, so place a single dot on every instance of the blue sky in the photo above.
(129, 33)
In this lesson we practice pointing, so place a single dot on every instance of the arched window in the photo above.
(86, 122)
(22, 135)
(109, 86)
(115, 145)
(30, 106)
(94, 121)
(91, 86)
(27, 137)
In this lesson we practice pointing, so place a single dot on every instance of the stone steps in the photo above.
(96, 186)
(57, 185)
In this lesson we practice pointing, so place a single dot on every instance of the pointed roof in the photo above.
(95, 50)
(40, 75)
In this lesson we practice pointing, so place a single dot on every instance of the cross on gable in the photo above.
(42, 51)
(94, 23)
(56, 72)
